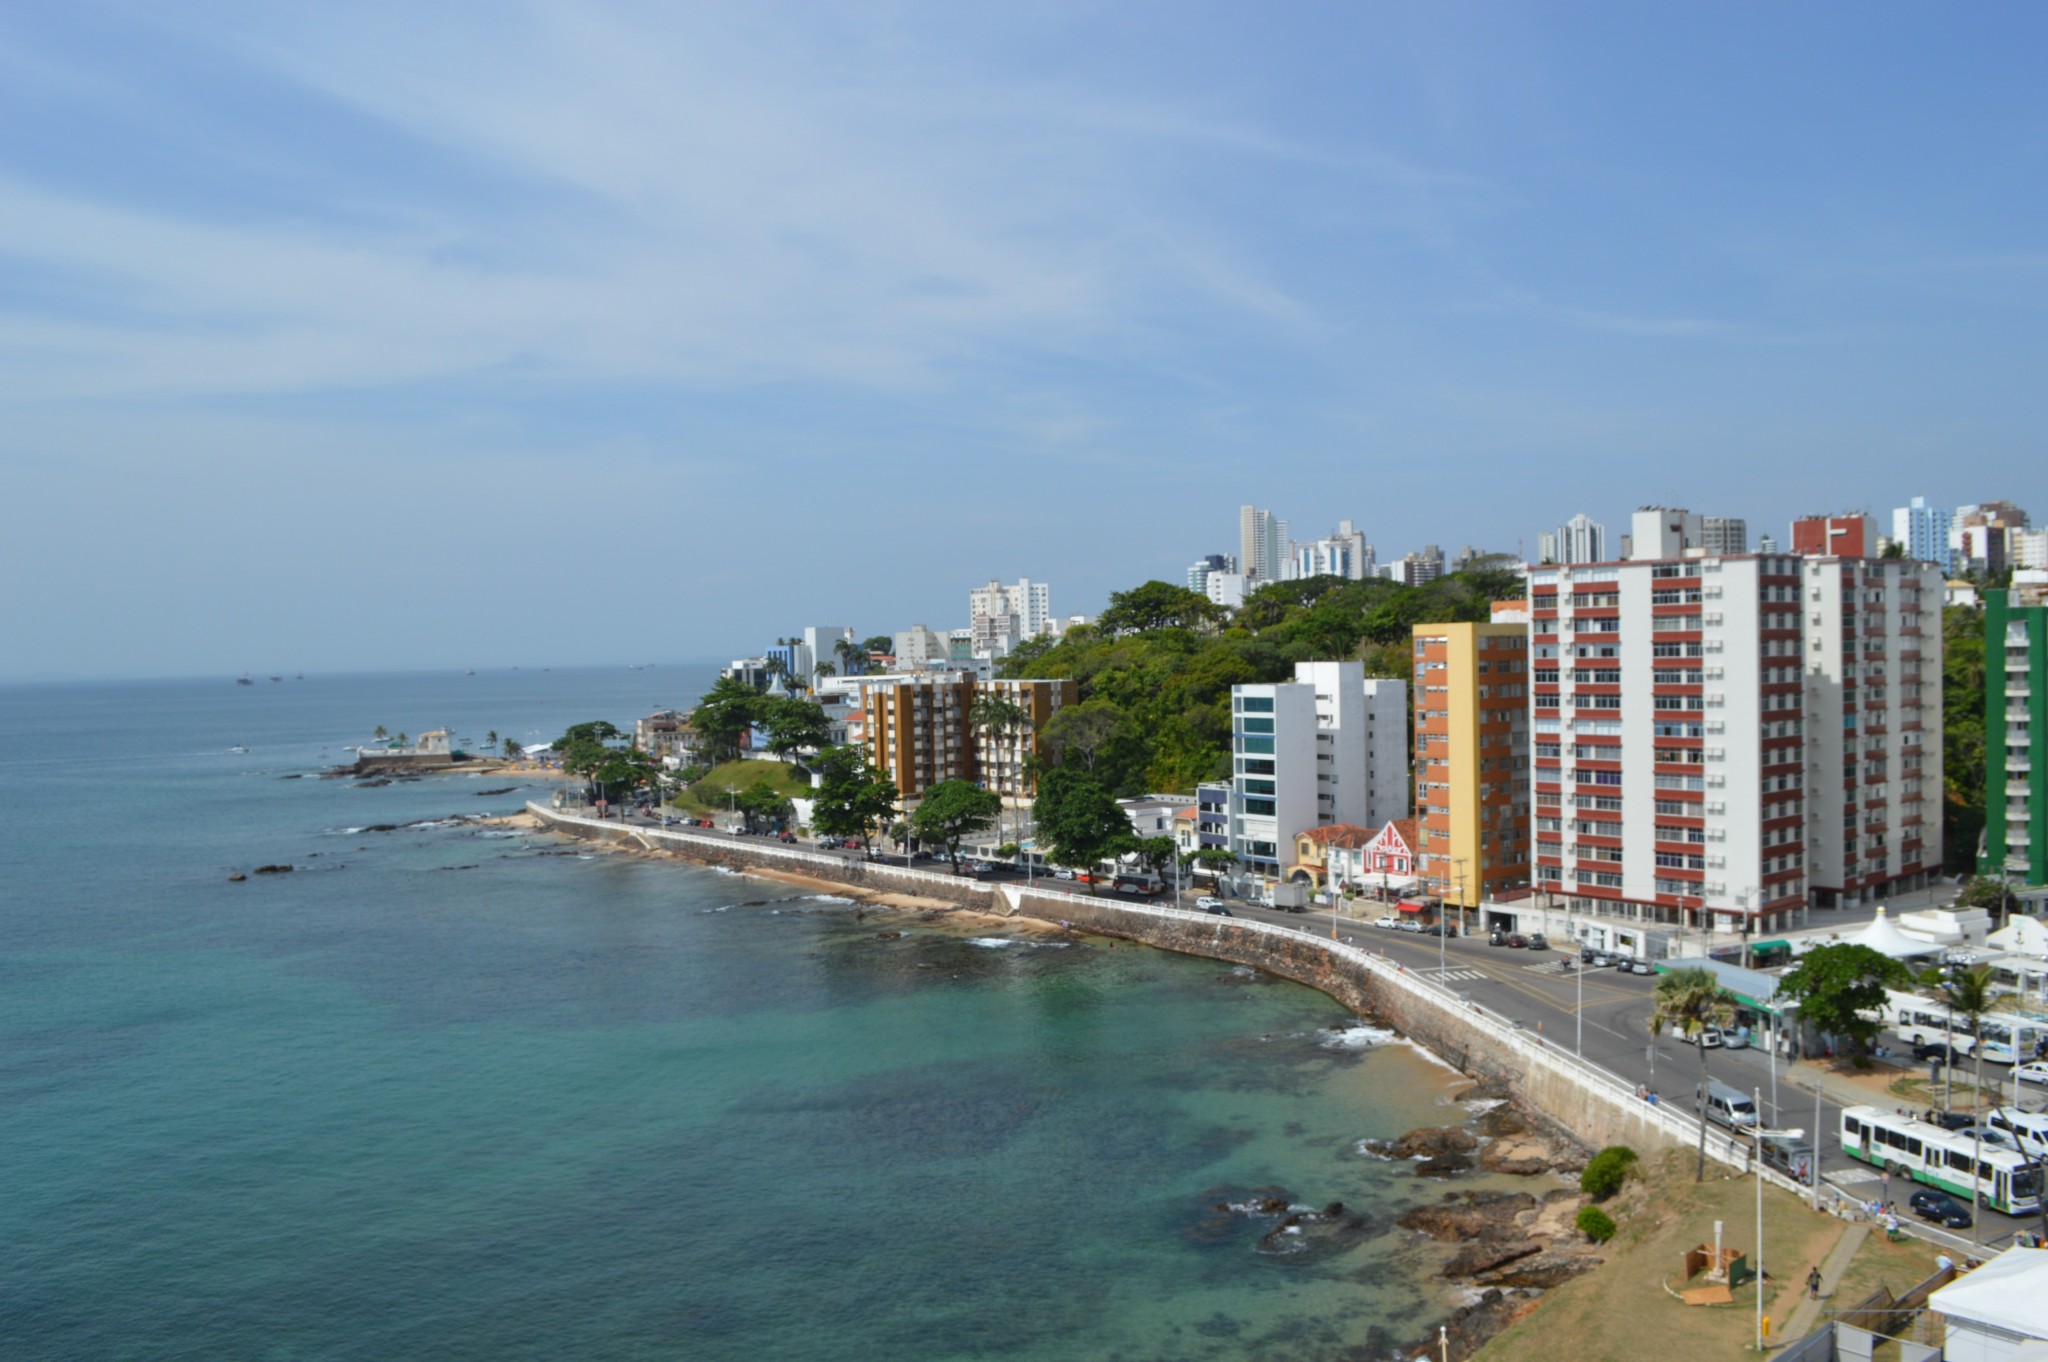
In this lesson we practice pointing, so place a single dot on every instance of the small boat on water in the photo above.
(238, 748)
(245, 680)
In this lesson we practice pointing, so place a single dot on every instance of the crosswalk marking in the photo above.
(1455, 973)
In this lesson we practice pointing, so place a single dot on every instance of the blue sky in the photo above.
(381, 335)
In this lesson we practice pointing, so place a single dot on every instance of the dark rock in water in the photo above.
(486, 794)
(1468, 1327)
(1542, 1271)
(1333, 1210)
(237, 877)
(382, 827)
(272, 870)
(372, 784)
(1467, 1215)
(888, 936)
(1502, 1120)
(1443, 1166)
(1486, 1253)
(1429, 1141)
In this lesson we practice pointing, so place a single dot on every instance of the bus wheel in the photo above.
(1890, 1169)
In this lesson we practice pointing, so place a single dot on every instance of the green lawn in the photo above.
(709, 794)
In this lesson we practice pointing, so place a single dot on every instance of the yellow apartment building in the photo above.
(1472, 759)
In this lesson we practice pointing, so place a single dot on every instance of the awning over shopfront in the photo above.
(1752, 988)
(1411, 906)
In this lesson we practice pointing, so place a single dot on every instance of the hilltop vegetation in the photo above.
(1155, 671)
(1962, 726)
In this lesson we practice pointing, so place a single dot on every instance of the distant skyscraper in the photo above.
(1200, 571)
(1721, 535)
(1261, 545)
(1923, 530)
(1343, 554)
(1579, 540)
(1005, 615)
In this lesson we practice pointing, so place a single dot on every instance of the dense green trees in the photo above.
(950, 811)
(793, 725)
(1156, 671)
(723, 717)
(853, 800)
(1079, 823)
(1835, 986)
(1962, 727)
(589, 750)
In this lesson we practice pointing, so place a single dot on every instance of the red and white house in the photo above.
(1386, 860)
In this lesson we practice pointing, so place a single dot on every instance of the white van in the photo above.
(1726, 1106)
(2029, 1129)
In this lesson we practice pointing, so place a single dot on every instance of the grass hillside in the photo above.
(709, 793)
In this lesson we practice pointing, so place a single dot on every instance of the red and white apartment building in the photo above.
(1716, 741)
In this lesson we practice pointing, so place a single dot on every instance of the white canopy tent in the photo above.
(1998, 1310)
(2021, 936)
(1884, 937)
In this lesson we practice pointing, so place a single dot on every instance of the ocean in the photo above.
(451, 1092)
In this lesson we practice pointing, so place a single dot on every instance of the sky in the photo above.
(383, 336)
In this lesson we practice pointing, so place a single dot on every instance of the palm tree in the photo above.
(381, 732)
(491, 738)
(996, 717)
(1689, 1001)
(851, 658)
(823, 670)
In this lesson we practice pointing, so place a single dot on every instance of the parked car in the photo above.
(785, 837)
(1589, 956)
(1947, 1120)
(1707, 1038)
(1409, 924)
(1733, 1038)
(1385, 920)
(1208, 903)
(2033, 1071)
(1063, 874)
(1539, 942)
(1602, 959)
(1517, 940)
(828, 843)
(1641, 966)
(1936, 1049)
(1939, 1207)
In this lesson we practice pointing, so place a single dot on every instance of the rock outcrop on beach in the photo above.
(1426, 1142)
(1293, 1231)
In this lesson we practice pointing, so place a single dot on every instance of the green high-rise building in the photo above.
(2016, 735)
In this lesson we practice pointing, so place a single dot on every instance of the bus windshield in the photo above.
(2026, 1184)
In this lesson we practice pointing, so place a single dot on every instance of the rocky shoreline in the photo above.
(1508, 1247)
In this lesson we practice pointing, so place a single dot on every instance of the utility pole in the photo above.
(1459, 862)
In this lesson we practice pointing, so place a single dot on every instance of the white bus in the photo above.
(2007, 1037)
(2002, 1179)
(1920, 1020)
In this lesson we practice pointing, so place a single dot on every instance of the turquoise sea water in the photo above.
(448, 1093)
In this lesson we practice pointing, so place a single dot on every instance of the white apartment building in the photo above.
(1657, 532)
(1200, 572)
(1344, 554)
(1687, 726)
(1331, 746)
(1722, 535)
(1003, 616)
(1261, 545)
(1225, 588)
(918, 647)
(1873, 712)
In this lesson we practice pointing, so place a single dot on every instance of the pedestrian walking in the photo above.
(1813, 1282)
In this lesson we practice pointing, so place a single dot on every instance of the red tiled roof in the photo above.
(1339, 835)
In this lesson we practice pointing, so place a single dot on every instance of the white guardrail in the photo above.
(1527, 1047)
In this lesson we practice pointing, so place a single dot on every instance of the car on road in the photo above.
(1215, 906)
(1939, 1207)
(1409, 924)
(1732, 1038)
(1601, 959)
(1497, 939)
(2033, 1071)
(1517, 940)
(1641, 966)
(1995, 1139)
(785, 837)
(1707, 1038)
(1385, 920)
(1539, 942)
(1936, 1049)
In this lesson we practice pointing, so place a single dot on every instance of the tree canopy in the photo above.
(728, 710)
(852, 798)
(1078, 821)
(1836, 985)
(1688, 1002)
(793, 725)
(1155, 673)
(950, 810)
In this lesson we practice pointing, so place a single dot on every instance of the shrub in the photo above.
(1606, 1171)
(1596, 1224)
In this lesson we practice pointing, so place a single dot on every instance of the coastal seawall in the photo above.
(1583, 1102)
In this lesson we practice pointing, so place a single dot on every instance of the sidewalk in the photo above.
(1802, 1319)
